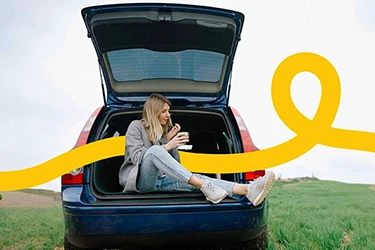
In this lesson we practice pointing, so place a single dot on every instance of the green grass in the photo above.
(31, 228)
(302, 215)
(321, 215)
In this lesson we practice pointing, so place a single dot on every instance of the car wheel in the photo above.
(258, 243)
(70, 246)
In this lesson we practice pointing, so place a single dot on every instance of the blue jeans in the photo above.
(159, 171)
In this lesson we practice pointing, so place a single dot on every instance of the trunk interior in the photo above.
(210, 132)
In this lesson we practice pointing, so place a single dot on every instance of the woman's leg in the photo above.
(256, 191)
(166, 183)
(226, 185)
(157, 160)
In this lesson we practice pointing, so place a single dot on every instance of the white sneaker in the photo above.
(212, 192)
(259, 188)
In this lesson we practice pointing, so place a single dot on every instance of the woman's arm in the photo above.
(134, 142)
(173, 152)
(174, 130)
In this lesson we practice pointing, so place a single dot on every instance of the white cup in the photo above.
(185, 133)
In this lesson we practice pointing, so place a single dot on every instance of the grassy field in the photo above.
(321, 215)
(304, 214)
(30, 228)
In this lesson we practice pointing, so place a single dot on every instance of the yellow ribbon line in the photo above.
(308, 134)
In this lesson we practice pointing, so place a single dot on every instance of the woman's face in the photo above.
(164, 115)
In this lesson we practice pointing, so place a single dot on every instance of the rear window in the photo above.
(141, 64)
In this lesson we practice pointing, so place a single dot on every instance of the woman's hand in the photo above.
(179, 140)
(174, 130)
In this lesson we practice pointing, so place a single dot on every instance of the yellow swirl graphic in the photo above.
(308, 134)
(73, 159)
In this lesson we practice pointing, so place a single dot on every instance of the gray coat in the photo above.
(137, 143)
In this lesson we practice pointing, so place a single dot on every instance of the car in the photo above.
(186, 53)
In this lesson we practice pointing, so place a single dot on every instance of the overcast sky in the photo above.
(50, 81)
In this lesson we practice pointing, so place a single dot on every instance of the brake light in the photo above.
(247, 143)
(76, 176)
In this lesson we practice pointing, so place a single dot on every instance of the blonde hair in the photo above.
(152, 109)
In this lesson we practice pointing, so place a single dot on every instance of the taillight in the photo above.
(71, 179)
(247, 143)
(76, 176)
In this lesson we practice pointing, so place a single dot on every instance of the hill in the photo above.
(31, 198)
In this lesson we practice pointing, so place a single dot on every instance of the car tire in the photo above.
(258, 243)
(69, 246)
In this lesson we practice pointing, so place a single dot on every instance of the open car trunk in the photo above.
(210, 132)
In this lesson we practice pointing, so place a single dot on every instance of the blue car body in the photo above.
(106, 226)
(96, 212)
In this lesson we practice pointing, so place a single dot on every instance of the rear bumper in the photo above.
(113, 241)
(116, 226)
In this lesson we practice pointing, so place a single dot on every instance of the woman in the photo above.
(152, 161)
